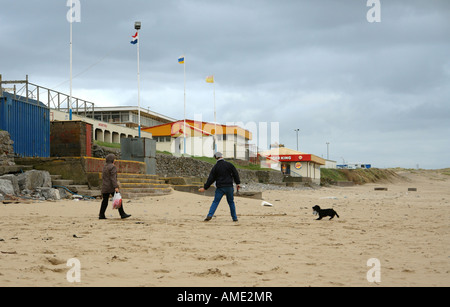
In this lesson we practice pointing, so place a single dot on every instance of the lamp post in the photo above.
(297, 130)
(328, 152)
(137, 26)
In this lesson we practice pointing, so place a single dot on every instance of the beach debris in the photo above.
(11, 199)
(380, 189)
(266, 204)
(9, 253)
(77, 197)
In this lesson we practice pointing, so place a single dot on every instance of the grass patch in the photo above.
(358, 176)
(205, 159)
(164, 152)
(105, 144)
(330, 176)
(446, 171)
(239, 165)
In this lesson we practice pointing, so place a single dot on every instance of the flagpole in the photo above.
(137, 26)
(210, 79)
(139, 90)
(70, 98)
(215, 119)
(184, 128)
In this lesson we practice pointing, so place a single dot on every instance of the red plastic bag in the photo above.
(117, 200)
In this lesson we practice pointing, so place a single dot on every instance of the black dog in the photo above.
(324, 212)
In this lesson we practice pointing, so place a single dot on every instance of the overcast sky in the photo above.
(378, 92)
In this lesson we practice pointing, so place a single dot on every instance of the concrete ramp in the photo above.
(192, 184)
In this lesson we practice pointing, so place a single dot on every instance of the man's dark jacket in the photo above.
(223, 173)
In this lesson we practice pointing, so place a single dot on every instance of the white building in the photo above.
(102, 131)
(329, 164)
(201, 139)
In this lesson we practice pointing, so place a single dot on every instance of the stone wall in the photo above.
(78, 168)
(170, 166)
(6, 149)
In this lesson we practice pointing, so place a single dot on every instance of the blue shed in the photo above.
(28, 123)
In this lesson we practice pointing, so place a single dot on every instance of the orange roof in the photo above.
(205, 128)
(281, 151)
(284, 154)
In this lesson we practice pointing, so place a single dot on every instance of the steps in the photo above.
(82, 190)
(297, 181)
(8, 169)
(134, 186)
(184, 184)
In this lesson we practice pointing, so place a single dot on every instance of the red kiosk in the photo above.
(293, 163)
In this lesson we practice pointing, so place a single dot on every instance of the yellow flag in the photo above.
(210, 79)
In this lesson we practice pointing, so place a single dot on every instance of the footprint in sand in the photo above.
(55, 261)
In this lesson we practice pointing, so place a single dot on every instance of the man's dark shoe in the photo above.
(125, 216)
(208, 218)
(102, 217)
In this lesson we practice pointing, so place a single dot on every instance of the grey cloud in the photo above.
(371, 89)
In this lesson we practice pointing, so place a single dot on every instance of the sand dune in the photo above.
(166, 242)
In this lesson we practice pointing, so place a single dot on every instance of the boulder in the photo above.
(14, 181)
(33, 179)
(6, 187)
(49, 193)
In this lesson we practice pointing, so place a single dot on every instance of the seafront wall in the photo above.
(171, 166)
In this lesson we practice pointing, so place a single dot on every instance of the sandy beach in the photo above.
(166, 243)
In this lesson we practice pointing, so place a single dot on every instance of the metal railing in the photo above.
(29, 92)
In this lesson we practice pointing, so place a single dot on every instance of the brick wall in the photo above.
(70, 139)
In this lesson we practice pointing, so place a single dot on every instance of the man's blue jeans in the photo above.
(220, 192)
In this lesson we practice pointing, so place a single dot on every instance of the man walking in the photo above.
(223, 173)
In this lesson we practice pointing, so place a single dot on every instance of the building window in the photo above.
(125, 117)
(162, 138)
(115, 116)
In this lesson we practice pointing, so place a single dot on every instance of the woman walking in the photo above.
(109, 186)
